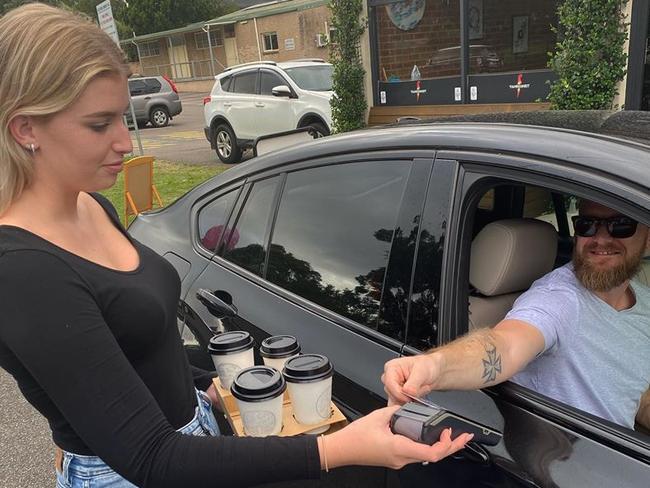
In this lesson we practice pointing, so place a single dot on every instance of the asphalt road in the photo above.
(183, 139)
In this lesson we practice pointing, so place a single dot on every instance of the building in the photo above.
(194, 54)
(433, 57)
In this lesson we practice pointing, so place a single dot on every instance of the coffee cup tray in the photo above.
(290, 426)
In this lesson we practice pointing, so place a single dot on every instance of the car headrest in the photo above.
(508, 255)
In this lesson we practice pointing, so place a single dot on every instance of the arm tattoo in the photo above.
(492, 363)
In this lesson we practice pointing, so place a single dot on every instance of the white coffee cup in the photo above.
(259, 394)
(276, 350)
(231, 352)
(309, 379)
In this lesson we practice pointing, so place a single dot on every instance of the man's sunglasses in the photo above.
(617, 227)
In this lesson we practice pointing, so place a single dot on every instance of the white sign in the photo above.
(457, 95)
(289, 44)
(382, 96)
(473, 93)
(106, 21)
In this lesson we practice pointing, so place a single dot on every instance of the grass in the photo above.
(171, 179)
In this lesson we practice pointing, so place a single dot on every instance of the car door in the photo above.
(238, 104)
(273, 114)
(308, 253)
(545, 442)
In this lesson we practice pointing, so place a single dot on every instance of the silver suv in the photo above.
(257, 99)
(155, 100)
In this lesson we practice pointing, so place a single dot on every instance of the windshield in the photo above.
(316, 78)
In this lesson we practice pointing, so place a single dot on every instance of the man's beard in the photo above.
(603, 280)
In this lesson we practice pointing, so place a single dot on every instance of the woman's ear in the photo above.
(22, 130)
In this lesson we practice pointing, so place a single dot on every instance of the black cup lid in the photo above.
(280, 346)
(307, 368)
(229, 342)
(258, 383)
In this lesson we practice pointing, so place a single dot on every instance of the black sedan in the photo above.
(360, 245)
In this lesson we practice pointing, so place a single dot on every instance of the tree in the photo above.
(589, 58)
(148, 16)
(349, 102)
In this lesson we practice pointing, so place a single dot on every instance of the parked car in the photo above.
(360, 245)
(482, 59)
(257, 99)
(155, 100)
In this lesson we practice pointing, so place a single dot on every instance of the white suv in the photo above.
(257, 99)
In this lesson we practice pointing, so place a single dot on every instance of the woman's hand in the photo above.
(369, 441)
(214, 398)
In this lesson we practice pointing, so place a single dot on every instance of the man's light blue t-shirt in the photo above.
(595, 358)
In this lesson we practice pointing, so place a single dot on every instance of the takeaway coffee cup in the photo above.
(276, 350)
(258, 391)
(309, 379)
(231, 352)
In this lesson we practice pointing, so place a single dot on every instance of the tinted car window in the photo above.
(333, 235)
(269, 81)
(225, 83)
(246, 245)
(137, 87)
(245, 82)
(153, 85)
(212, 219)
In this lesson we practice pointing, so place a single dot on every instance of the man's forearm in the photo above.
(487, 356)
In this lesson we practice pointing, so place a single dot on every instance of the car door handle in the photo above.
(259, 104)
(227, 104)
(215, 305)
(147, 98)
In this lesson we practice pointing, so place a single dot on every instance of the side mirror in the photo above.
(281, 91)
(216, 306)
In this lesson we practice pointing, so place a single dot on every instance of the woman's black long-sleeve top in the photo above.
(98, 353)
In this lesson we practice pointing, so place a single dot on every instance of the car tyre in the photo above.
(159, 117)
(319, 130)
(226, 144)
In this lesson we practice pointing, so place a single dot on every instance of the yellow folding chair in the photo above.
(139, 190)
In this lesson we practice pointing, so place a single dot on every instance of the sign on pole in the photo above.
(107, 24)
(106, 20)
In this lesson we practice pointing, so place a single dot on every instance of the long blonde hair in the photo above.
(47, 58)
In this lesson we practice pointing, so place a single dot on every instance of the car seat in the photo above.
(506, 257)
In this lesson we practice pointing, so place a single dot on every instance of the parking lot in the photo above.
(183, 139)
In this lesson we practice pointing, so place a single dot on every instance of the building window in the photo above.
(149, 49)
(270, 41)
(201, 39)
(332, 35)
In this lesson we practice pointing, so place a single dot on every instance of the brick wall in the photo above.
(301, 26)
(439, 28)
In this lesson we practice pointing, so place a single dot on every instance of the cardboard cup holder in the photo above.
(290, 426)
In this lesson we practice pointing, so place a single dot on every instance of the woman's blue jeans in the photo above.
(91, 472)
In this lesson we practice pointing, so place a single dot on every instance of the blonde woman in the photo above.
(88, 326)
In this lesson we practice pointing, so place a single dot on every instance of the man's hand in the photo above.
(643, 414)
(413, 374)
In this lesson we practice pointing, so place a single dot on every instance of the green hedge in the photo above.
(589, 58)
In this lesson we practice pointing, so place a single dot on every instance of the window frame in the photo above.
(216, 41)
(152, 49)
(269, 36)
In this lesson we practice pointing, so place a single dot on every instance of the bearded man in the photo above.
(580, 334)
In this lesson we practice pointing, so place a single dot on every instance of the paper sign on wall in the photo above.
(289, 44)
(457, 95)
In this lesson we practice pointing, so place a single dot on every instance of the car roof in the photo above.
(268, 64)
(607, 154)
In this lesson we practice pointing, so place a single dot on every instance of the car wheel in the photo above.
(319, 130)
(159, 117)
(226, 143)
